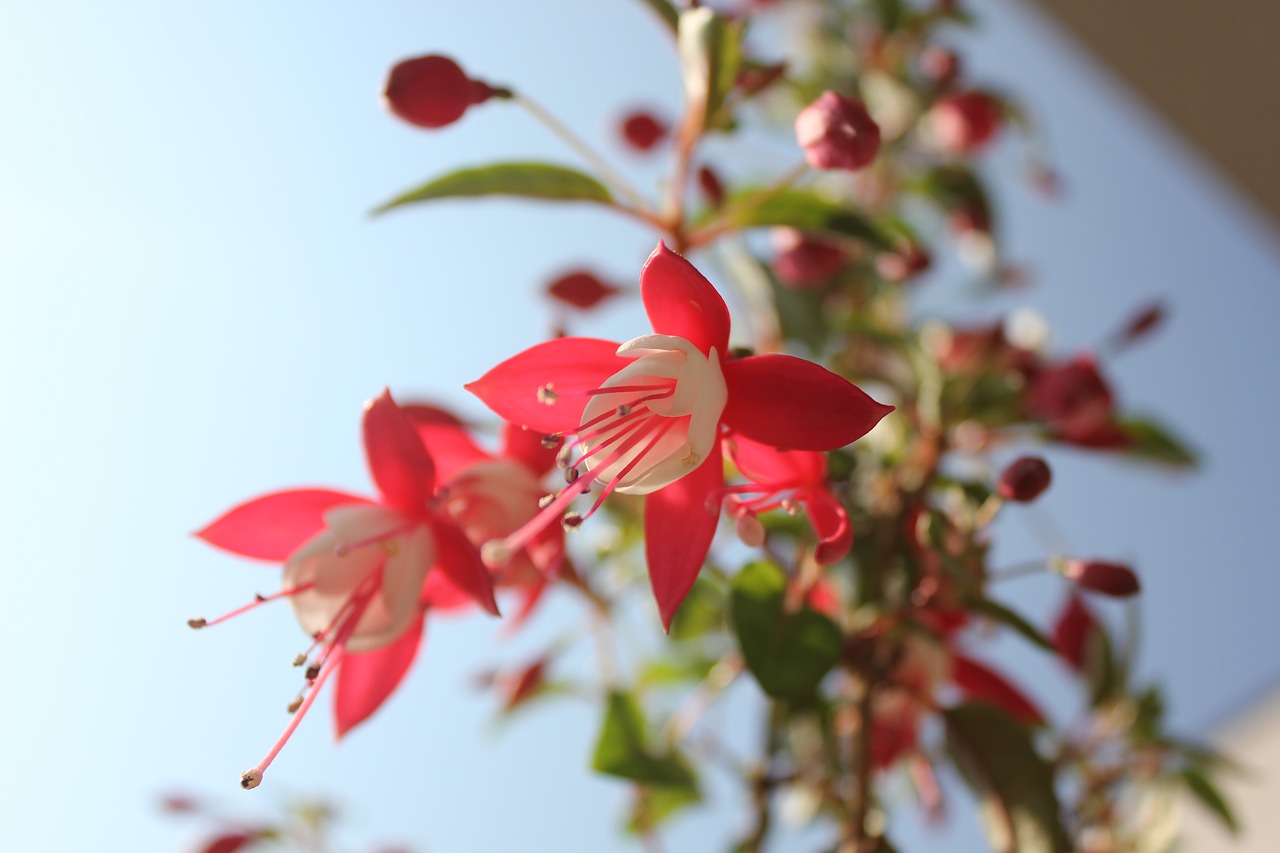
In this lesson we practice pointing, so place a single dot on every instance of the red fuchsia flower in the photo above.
(432, 91)
(1076, 403)
(1114, 579)
(355, 570)
(966, 122)
(581, 289)
(1024, 479)
(803, 262)
(646, 417)
(837, 133)
(641, 130)
(786, 479)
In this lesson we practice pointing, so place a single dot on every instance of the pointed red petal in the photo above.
(678, 531)
(525, 446)
(366, 679)
(570, 366)
(831, 524)
(441, 594)
(450, 446)
(273, 526)
(681, 302)
(978, 682)
(459, 560)
(1073, 631)
(398, 461)
(765, 464)
(793, 404)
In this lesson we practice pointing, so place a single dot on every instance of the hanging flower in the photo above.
(356, 570)
(645, 417)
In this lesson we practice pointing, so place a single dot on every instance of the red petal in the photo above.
(679, 527)
(398, 461)
(231, 842)
(273, 526)
(450, 446)
(571, 366)
(681, 302)
(831, 524)
(440, 593)
(459, 560)
(793, 404)
(525, 446)
(985, 685)
(1073, 631)
(366, 679)
(765, 464)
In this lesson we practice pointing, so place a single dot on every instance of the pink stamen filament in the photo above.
(342, 549)
(256, 603)
(613, 413)
(612, 484)
(667, 388)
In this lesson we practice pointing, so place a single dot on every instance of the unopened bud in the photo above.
(581, 289)
(837, 133)
(1025, 479)
(711, 185)
(940, 65)
(965, 123)
(642, 130)
(432, 91)
(1114, 579)
(803, 262)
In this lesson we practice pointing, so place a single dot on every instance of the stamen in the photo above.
(293, 706)
(571, 520)
(545, 501)
(626, 469)
(668, 387)
(547, 395)
(549, 442)
(299, 660)
(253, 778)
(258, 601)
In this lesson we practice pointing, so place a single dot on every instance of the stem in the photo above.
(724, 222)
(862, 768)
(763, 782)
(611, 176)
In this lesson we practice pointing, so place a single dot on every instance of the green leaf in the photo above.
(788, 653)
(701, 612)
(801, 316)
(676, 670)
(1012, 620)
(655, 805)
(1153, 443)
(710, 54)
(622, 749)
(522, 180)
(805, 210)
(996, 756)
(1211, 798)
(665, 11)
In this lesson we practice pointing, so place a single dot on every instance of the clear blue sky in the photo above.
(194, 308)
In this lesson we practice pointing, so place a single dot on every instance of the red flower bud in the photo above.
(712, 188)
(803, 262)
(432, 91)
(1025, 479)
(965, 123)
(1073, 631)
(642, 130)
(837, 133)
(939, 65)
(904, 264)
(581, 289)
(1114, 579)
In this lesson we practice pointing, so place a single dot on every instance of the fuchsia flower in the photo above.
(837, 132)
(358, 572)
(432, 91)
(646, 417)
(788, 479)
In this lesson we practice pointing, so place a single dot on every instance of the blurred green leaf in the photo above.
(543, 181)
(1152, 442)
(676, 670)
(801, 316)
(623, 750)
(1012, 620)
(710, 53)
(665, 11)
(801, 209)
(654, 805)
(788, 653)
(1210, 797)
(1100, 670)
(701, 612)
(996, 756)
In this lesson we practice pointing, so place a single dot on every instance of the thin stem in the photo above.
(764, 781)
(611, 176)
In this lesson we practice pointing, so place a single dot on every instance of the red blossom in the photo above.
(432, 91)
(966, 122)
(641, 130)
(837, 132)
(1074, 631)
(1024, 479)
(805, 262)
(646, 417)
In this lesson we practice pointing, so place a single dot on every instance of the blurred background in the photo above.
(194, 306)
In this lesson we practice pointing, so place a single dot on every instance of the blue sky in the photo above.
(195, 306)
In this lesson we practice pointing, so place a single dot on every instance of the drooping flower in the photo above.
(646, 417)
(787, 479)
(356, 570)
(432, 91)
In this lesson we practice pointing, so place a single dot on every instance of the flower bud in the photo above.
(1114, 579)
(1025, 479)
(1073, 632)
(711, 185)
(904, 264)
(940, 65)
(803, 262)
(837, 133)
(581, 289)
(431, 91)
(642, 130)
(965, 123)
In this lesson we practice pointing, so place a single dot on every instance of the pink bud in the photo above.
(642, 130)
(581, 289)
(965, 123)
(1114, 579)
(837, 133)
(1025, 479)
(803, 262)
(939, 65)
(711, 186)
(432, 91)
